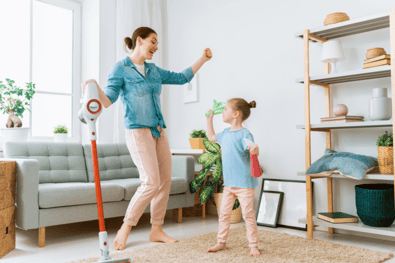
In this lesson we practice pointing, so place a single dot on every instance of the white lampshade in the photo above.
(332, 51)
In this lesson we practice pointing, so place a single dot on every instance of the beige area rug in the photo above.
(275, 247)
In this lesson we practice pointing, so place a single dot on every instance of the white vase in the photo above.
(380, 106)
(60, 137)
(17, 134)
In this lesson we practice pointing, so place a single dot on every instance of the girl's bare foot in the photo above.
(122, 236)
(217, 247)
(157, 235)
(254, 252)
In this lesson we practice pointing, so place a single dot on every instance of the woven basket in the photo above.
(375, 52)
(375, 204)
(386, 159)
(335, 18)
(235, 216)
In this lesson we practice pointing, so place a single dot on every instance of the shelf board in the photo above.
(349, 125)
(350, 27)
(186, 151)
(349, 76)
(369, 176)
(359, 227)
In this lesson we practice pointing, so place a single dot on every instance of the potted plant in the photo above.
(60, 133)
(214, 184)
(386, 153)
(14, 101)
(196, 139)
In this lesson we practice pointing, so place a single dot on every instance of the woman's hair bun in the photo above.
(252, 104)
(129, 42)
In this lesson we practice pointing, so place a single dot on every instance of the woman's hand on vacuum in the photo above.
(254, 149)
(83, 84)
(207, 54)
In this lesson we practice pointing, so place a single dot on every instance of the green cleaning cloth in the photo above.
(218, 108)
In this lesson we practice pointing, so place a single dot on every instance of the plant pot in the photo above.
(386, 159)
(235, 216)
(60, 137)
(375, 204)
(197, 143)
(17, 134)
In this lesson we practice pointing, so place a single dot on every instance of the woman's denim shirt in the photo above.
(140, 96)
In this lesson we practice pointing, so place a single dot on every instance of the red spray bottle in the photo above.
(255, 167)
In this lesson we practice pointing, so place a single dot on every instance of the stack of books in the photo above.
(377, 61)
(338, 119)
(338, 217)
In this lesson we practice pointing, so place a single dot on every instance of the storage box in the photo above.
(7, 184)
(7, 230)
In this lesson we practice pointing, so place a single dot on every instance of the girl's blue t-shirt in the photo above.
(236, 165)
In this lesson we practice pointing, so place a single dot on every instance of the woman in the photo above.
(139, 85)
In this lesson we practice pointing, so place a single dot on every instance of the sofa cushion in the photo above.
(58, 162)
(115, 162)
(178, 186)
(68, 194)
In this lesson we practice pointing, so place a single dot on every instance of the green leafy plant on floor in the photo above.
(60, 129)
(385, 140)
(215, 182)
(198, 134)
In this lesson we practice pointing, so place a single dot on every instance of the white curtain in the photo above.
(130, 15)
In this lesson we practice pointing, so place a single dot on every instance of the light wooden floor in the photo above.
(77, 241)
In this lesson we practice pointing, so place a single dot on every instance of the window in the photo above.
(43, 47)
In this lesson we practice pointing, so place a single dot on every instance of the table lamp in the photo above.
(332, 51)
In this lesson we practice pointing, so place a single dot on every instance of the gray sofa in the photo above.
(55, 183)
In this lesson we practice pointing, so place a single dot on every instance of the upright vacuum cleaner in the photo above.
(88, 114)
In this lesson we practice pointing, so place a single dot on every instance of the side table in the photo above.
(7, 206)
(193, 152)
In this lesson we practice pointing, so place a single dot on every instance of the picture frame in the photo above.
(294, 205)
(269, 208)
(190, 90)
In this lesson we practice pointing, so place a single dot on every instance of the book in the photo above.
(377, 58)
(338, 217)
(377, 63)
(347, 118)
(341, 121)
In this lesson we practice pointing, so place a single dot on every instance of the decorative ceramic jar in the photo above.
(340, 110)
(380, 106)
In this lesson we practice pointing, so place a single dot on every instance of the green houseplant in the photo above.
(60, 133)
(196, 139)
(214, 184)
(386, 153)
(15, 100)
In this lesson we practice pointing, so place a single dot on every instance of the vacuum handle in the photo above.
(99, 199)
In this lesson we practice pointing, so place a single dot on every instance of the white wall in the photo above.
(98, 55)
(257, 57)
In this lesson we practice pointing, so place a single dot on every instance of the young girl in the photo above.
(238, 181)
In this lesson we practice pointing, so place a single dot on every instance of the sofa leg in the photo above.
(179, 217)
(41, 237)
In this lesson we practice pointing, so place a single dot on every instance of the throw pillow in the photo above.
(348, 164)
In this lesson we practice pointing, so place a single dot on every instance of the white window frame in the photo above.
(76, 123)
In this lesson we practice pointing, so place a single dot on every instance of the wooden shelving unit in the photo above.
(323, 34)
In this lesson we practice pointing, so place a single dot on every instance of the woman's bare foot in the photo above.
(122, 236)
(217, 247)
(254, 252)
(157, 235)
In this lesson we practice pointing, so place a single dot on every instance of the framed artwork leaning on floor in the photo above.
(294, 205)
(269, 208)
